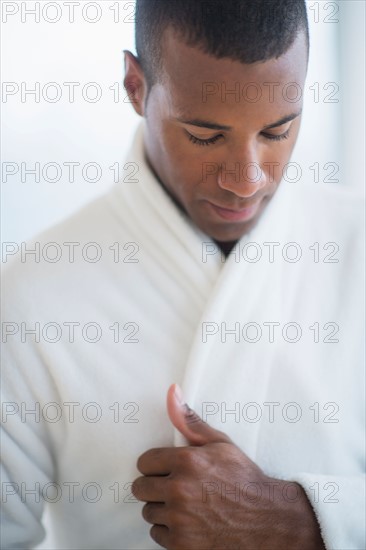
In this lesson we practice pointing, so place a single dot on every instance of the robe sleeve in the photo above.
(339, 506)
(27, 442)
(22, 502)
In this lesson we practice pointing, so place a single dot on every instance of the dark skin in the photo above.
(209, 495)
(172, 479)
(179, 163)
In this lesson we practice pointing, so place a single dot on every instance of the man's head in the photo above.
(212, 78)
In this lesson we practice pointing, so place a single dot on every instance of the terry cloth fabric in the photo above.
(127, 297)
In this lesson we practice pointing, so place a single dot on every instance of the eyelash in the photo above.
(198, 141)
(213, 140)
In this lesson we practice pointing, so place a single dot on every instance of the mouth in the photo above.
(235, 215)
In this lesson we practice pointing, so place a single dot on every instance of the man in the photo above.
(266, 344)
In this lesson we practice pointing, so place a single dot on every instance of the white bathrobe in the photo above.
(267, 347)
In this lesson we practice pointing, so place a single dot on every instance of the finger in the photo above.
(157, 461)
(155, 512)
(149, 488)
(160, 534)
(189, 423)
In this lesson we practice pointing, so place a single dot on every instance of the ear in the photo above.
(134, 83)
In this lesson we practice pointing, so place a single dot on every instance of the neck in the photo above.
(226, 247)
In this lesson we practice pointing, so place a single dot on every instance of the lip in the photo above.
(241, 215)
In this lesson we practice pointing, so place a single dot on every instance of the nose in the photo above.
(242, 174)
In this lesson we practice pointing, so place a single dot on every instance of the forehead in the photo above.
(192, 79)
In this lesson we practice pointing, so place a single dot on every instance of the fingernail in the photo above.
(179, 395)
(180, 399)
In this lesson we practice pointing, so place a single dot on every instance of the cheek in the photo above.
(276, 164)
(184, 162)
(276, 161)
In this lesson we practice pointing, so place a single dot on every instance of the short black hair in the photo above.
(242, 30)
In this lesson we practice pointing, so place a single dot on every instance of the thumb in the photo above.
(189, 423)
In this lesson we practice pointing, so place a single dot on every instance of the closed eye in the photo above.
(273, 137)
(201, 142)
(214, 139)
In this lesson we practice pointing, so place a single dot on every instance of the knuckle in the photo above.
(146, 456)
(157, 535)
(147, 512)
(187, 456)
(136, 487)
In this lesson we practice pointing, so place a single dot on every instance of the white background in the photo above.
(84, 52)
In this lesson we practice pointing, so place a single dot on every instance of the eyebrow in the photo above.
(214, 126)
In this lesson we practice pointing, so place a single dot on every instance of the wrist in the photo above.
(298, 515)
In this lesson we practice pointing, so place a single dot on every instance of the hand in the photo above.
(210, 495)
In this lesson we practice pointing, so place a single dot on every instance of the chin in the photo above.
(229, 233)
